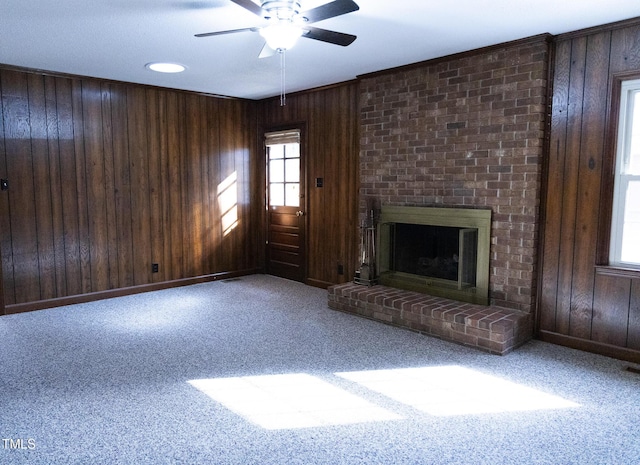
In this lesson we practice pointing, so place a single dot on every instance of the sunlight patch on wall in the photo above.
(455, 390)
(291, 401)
(228, 203)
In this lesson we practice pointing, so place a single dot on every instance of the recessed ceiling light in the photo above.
(166, 67)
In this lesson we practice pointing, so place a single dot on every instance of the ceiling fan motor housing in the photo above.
(282, 9)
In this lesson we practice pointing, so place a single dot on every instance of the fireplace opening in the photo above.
(440, 251)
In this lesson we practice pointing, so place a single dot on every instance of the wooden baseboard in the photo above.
(318, 283)
(77, 299)
(621, 353)
(324, 284)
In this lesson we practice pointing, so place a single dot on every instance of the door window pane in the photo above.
(292, 170)
(276, 151)
(292, 150)
(276, 194)
(292, 193)
(276, 171)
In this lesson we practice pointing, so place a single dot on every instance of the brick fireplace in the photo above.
(465, 131)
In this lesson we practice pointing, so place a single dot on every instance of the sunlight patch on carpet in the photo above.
(291, 401)
(455, 390)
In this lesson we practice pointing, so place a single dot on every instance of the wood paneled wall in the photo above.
(330, 118)
(107, 178)
(581, 304)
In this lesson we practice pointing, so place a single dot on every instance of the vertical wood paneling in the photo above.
(22, 211)
(84, 240)
(625, 49)
(69, 191)
(210, 177)
(109, 188)
(570, 186)
(251, 187)
(96, 185)
(349, 144)
(225, 187)
(554, 187)
(107, 178)
(240, 232)
(41, 186)
(194, 177)
(633, 333)
(6, 254)
(122, 187)
(55, 178)
(164, 186)
(588, 183)
(139, 165)
(317, 163)
(187, 224)
(208, 169)
(155, 182)
(576, 301)
(176, 174)
(611, 310)
(330, 119)
(202, 174)
(254, 188)
(242, 198)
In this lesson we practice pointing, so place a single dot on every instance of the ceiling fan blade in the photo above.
(330, 10)
(252, 7)
(332, 37)
(266, 52)
(231, 31)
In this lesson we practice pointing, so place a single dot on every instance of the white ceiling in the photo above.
(114, 39)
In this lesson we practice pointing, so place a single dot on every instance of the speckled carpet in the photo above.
(258, 370)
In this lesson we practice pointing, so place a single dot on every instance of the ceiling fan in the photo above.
(285, 23)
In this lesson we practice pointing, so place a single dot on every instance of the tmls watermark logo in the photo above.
(20, 444)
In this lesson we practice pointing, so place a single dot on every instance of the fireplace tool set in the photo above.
(366, 273)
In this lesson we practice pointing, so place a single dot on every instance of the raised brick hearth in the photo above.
(493, 329)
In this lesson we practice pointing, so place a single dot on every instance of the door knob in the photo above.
(300, 213)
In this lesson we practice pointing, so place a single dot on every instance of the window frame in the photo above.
(621, 180)
(605, 263)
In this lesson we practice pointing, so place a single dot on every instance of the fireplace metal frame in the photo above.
(479, 219)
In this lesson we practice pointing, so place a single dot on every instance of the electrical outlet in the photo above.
(155, 268)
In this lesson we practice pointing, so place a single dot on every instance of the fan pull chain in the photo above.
(283, 90)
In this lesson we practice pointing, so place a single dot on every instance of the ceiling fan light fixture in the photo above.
(281, 34)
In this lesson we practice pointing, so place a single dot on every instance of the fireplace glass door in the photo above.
(440, 252)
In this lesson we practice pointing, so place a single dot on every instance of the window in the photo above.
(283, 173)
(624, 248)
